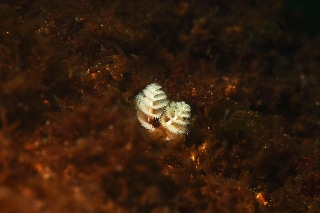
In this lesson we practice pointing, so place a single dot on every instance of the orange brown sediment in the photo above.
(70, 140)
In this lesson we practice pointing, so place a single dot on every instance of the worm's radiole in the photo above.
(153, 108)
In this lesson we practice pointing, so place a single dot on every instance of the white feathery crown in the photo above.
(152, 105)
(176, 117)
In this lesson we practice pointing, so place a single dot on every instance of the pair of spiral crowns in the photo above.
(153, 108)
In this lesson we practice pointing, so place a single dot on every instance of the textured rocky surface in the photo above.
(70, 140)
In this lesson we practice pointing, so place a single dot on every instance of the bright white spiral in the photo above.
(150, 103)
(176, 117)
